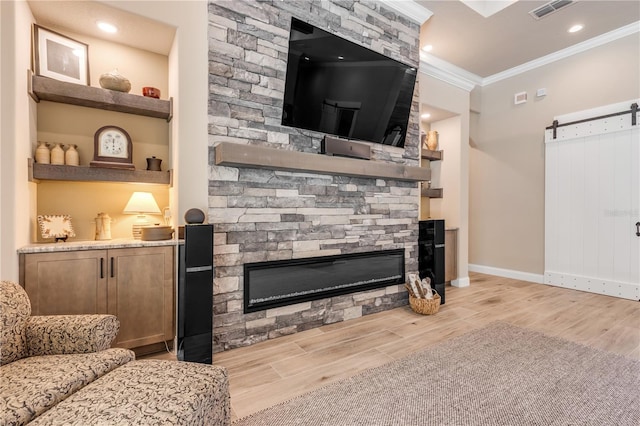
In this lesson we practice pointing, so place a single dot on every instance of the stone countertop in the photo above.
(93, 245)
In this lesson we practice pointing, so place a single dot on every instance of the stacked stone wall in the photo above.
(261, 215)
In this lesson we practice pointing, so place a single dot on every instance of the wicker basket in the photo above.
(425, 306)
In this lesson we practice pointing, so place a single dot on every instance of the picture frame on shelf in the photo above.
(60, 57)
(58, 227)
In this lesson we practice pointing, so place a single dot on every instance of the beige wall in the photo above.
(506, 175)
(188, 84)
(84, 200)
(17, 133)
(452, 173)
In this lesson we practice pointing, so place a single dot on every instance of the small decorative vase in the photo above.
(57, 155)
(432, 140)
(113, 80)
(43, 155)
(103, 227)
(71, 157)
(153, 163)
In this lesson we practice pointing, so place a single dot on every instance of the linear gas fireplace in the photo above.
(285, 282)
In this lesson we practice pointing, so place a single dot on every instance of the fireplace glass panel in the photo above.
(279, 283)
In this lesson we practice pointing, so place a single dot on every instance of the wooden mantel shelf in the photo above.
(431, 155)
(431, 192)
(94, 174)
(238, 155)
(48, 89)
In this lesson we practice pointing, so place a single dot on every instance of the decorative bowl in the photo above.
(151, 92)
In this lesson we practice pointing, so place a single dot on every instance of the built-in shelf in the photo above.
(94, 174)
(233, 154)
(48, 89)
(431, 155)
(431, 192)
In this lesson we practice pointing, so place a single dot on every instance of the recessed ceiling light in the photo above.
(428, 48)
(425, 115)
(107, 27)
(341, 57)
(576, 28)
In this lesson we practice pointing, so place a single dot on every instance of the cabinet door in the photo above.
(451, 255)
(71, 282)
(141, 294)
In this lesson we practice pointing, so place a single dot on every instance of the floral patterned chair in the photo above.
(59, 370)
(45, 359)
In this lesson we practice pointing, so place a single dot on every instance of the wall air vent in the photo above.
(549, 8)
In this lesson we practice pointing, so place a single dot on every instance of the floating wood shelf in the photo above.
(232, 154)
(48, 89)
(431, 155)
(431, 192)
(95, 174)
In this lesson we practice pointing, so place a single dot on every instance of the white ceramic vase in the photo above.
(57, 155)
(43, 154)
(71, 156)
(432, 140)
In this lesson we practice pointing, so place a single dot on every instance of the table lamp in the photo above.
(141, 204)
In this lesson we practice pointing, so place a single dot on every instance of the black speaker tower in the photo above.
(431, 253)
(195, 294)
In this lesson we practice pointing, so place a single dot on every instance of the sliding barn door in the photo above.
(592, 206)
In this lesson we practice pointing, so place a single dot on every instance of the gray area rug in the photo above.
(498, 375)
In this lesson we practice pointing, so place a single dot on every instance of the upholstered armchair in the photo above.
(25, 335)
(44, 359)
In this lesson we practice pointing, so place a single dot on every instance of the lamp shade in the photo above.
(140, 203)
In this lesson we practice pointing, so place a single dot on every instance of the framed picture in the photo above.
(56, 226)
(60, 57)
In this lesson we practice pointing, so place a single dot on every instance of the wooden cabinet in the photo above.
(140, 294)
(65, 282)
(134, 284)
(450, 255)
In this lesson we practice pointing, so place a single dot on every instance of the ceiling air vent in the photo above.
(549, 8)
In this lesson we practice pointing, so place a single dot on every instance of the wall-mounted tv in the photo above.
(340, 88)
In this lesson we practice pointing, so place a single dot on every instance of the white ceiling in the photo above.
(489, 45)
(458, 31)
(80, 17)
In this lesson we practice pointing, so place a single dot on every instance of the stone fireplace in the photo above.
(265, 214)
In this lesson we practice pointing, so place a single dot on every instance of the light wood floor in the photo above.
(276, 370)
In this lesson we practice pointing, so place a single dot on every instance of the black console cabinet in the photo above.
(431, 254)
(195, 295)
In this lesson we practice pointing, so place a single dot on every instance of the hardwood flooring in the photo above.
(276, 370)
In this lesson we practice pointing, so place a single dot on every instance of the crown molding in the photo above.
(447, 72)
(410, 9)
(459, 77)
(565, 53)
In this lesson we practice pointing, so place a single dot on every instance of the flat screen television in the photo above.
(341, 88)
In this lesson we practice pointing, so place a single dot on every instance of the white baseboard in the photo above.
(461, 282)
(507, 273)
(624, 290)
